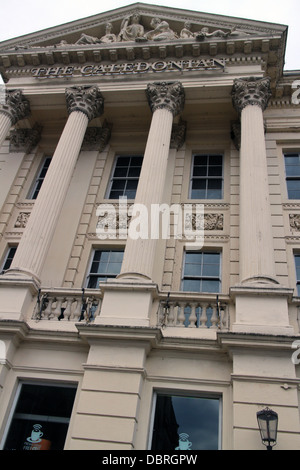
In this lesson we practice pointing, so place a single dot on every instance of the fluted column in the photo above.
(84, 104)
(250, 98)
(15, 108)
(166, 100)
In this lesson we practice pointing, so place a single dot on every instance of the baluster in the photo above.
(193, 316)
(57, 311)
(214, 318)
(180, 316)
(48, 309)
(171, 317)
(75, 314)
(67, 311)
(203, 317)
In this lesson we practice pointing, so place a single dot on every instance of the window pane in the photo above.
(41, 418)
(186, 423)
(122, 182)
(210, 286)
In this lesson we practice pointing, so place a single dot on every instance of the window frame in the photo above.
(206, 177)
(6, 257)
(297, 256)
(187, 394)
(34, 190)
(288, 153)
(91, 260)
(201, 278)
(16, 397)
(112, 178)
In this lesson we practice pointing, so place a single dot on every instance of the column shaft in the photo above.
(36, 239)
(166, 99)
(256, 240)
(139, 254)
(5, 125)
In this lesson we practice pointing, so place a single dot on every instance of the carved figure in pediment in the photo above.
(204, 33)
(161, 31)
(131, 29)
(109, 36)
(86, 39)
(186, 32)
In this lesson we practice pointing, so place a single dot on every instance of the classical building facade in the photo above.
(149, 234)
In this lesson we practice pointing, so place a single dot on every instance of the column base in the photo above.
(17, 293)
(127, 302)
(262, 308)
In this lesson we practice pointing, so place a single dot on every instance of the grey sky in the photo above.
(19, 17)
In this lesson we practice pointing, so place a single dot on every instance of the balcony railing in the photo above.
(177, 309)
(186, 310)
(73, 305)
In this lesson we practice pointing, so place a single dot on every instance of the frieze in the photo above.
(126, 68)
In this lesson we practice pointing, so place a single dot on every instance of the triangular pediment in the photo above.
(140, 32)
(176, 24)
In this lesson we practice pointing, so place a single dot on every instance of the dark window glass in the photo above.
(41, 418)
(40, 178)
(297, 264)
(207, 177)
(292, 170)
(186, 423)
(9, 257)
(105, 264)
(125, 177)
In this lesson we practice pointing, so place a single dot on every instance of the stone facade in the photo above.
(189, 111)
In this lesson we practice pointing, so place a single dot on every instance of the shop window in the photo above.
(40, 418)
(184, 423)
(125, 177)
(8, 259)
(106, 264)
(292, 170)
(202, 271)
(207, 177)
(40, 178)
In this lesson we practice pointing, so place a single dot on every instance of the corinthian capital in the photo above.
(16, 107)
(251, 91)
(168, 95)
(87, 99)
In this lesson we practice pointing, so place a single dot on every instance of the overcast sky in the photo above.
(18, 17)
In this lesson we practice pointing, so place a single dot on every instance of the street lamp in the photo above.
(267, 422)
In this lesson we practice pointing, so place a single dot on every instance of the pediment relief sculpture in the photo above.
(132, 30)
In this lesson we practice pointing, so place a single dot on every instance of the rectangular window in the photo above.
(8, 259)
(125, 177)
(292, 171)
(202, 271)
(105, 265)
(40, 179)
(297, 265)
(207, 177)
(183, 423)
(40, 417)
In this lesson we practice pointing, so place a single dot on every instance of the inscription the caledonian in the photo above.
(130, 68)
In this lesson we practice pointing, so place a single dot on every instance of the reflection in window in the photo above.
(186, 423)
(41, 417)
(105, 265)
(207, 177)
(125, 177)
